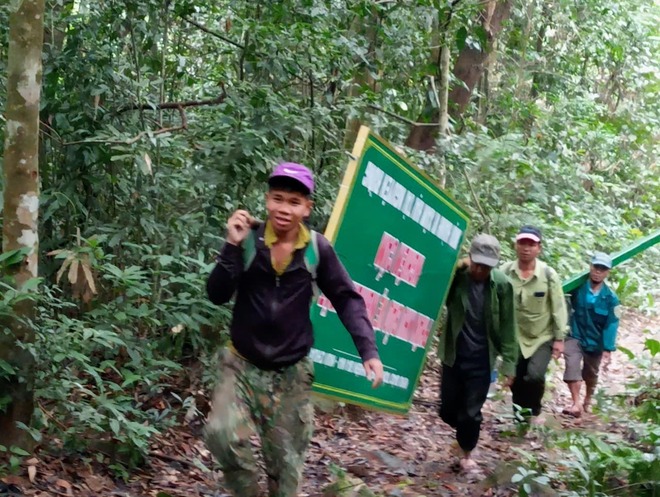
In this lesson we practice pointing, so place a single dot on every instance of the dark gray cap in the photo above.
(485, 249)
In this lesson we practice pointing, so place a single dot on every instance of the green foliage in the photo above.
(583, 463)
(528, 479)
(11, 459)
(108, 369)
(561, 133)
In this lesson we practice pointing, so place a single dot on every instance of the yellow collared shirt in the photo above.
(540, 307)
(270, 238)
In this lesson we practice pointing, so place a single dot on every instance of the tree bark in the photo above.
(443, 107)
(367, 28)
(21, 208)
(468, 69)
(471, 62)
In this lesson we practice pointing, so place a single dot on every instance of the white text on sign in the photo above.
(350, 366)
(394, 193)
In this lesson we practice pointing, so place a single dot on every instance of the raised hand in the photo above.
(238, 226)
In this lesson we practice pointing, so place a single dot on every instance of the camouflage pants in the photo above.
(274, 404)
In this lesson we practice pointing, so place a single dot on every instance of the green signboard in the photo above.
(399, 236)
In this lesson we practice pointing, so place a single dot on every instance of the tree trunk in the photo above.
(443, 108)
(369, 29)
(21, 207)
(468, 69)
(538, 78)
(471, 62)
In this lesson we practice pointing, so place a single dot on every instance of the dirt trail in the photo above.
(408, 456)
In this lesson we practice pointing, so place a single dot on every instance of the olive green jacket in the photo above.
(499, 313)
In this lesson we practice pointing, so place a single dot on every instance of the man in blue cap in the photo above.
(266, 374)
(542, 322)
(594, 326)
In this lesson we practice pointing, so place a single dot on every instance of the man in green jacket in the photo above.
(480, 326)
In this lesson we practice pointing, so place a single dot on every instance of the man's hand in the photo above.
(238, 227)
(605, 360)
(463, 263)
(374, 369)
(508, 381)
(557, 348)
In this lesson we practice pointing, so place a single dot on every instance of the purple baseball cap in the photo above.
(295, 171)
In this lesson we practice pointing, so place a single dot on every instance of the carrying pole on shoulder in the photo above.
(623, 255)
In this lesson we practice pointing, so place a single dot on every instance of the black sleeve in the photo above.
(337, 285)
(223, 280)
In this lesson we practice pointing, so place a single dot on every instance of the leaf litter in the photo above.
(354, 453)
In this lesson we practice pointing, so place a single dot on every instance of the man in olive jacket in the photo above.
(480, 326)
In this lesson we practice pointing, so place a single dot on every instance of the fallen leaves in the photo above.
(377, 454)
(65, 486)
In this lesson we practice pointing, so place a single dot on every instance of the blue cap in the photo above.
(529, 233)
(601, 259)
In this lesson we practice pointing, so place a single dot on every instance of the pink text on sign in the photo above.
(423, 328)
(386, 252)
(371, 301)
(408, 265)
(324, 303)
(395, 312)
(408, 324)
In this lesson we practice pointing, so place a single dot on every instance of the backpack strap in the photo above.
(507, 268)
(312, 254)
(249, 249)
(312, 259)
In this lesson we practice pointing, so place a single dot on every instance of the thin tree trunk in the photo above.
(537, 79)
(443, 106)
(443, 93)
(521, 70)
(368, 28)
(484, 96)
(21, 208)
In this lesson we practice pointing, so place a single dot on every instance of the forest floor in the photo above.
(410, 456)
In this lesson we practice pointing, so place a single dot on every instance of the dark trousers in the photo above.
(529, 386)
(463, 391)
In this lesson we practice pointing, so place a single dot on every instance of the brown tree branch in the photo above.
(175, 105)
(485, 216)
(213, 33)
(141, 134)
(400, 118)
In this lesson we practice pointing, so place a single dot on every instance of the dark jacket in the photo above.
(595, 325)
(499, 314)
(271, 325)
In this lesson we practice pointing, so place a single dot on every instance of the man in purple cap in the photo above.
(542, 321)
(266, 375)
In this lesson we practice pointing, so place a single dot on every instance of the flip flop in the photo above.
(574, 414)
